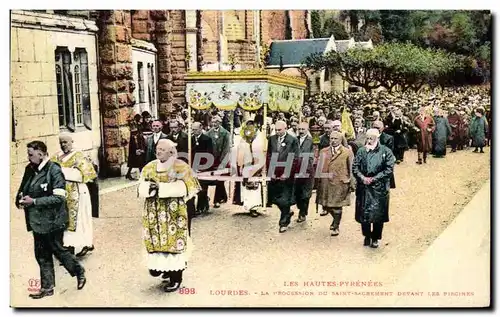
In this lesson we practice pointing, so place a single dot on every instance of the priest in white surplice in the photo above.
(78, 171)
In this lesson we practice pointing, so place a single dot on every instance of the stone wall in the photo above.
(162, 33)
(210, 35)
(34, 39)
(273, 25)
(117, 86)
(178, 42)
(299, 24)
(142, 25)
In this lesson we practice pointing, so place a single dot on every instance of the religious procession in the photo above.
(350, 146)
(252, 142)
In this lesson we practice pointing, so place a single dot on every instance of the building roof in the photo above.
(294, 52)
(342, 45)
(367, 44)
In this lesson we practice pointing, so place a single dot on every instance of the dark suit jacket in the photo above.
(304, 184)
(49, 213)
(324, 141)
(307, 147)
(291, 147)
(182, 145)
(221, 142)
(281, 192)
(388, 141)
(151, 147)
(205, 146)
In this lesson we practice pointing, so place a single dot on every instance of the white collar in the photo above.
(42, 164)
(335, 149)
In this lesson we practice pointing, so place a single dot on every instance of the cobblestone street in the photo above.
(235, 252)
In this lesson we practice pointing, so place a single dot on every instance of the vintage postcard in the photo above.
(250, 158)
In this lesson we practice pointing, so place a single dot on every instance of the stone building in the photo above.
(288, 57)
(87, 72)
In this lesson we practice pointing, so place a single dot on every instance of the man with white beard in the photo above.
(372, 168)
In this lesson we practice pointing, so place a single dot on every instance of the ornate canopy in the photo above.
(249, 90)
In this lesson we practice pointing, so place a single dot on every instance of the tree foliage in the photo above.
(458, 32)
(392, 65)
(326, 25)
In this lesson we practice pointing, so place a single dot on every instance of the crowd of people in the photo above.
(341, 144)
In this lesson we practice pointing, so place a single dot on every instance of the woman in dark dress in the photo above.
(136, 147)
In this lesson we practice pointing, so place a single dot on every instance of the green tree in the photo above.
(395, 25)
(325, 25)
(316, 24)
(390, 65)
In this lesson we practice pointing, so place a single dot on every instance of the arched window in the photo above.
(327, 74)
(72, 82)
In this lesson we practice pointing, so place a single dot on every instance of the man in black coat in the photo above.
(324, 140)
(180, 138)
(201, 149)
(304, 183)
(397, 127)
(388, 141)
(282, 150)
(153, 139)
(372, 168)
(42, 195)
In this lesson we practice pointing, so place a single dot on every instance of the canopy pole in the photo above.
(189, 134)
(231, 184)
(264, 169)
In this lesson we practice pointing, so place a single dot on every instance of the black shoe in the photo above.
(91, 248)
(254, 213)
(475, 151)
(216, 205)
(84, 251)
(374, 244)
(81, 281)
(172, 287)
(301, 219)
(71, 250)
(481, 151)
(367, 241)
(42, 294)
(419, 162)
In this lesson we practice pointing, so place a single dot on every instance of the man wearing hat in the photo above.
(455, 121)
(478, 130)
(424, 126)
